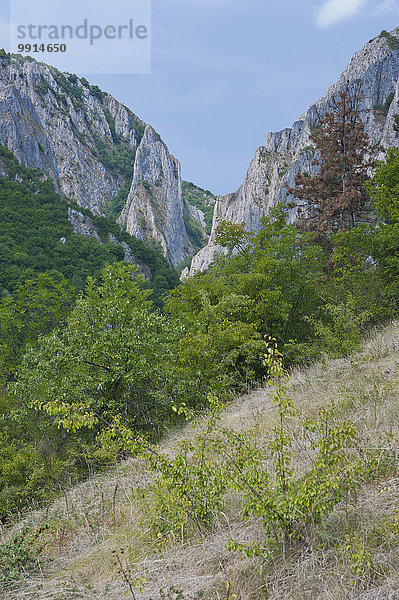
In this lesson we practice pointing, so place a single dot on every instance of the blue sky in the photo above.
(226, 72)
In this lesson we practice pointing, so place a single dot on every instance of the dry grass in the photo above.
(112, 511)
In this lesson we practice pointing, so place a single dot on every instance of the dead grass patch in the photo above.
(111, 511)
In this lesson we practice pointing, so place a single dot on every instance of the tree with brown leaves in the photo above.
(334, 198)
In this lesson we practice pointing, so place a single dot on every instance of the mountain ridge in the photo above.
(88, 143)
(375, 69)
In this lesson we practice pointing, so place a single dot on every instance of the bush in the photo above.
(190, 487)
(393, 41)
(21, 555)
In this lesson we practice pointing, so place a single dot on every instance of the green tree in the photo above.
(363, 282)
(266, 286)
(37, 307)
(113, 359)
(384, 188)
(384, 194)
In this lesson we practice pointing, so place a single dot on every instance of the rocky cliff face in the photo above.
(375, 70)
(93, 147)
(154, 207)
(63, 126)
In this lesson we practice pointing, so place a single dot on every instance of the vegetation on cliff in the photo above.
(36, 236)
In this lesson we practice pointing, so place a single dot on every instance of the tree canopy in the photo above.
(334, 198)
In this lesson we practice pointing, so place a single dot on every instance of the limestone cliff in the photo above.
(375, 70)
(95, 149)
(70, 130)
(154, 207)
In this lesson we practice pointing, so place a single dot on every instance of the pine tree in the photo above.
(334, 198)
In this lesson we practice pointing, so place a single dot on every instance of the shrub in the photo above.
(21, 555)
(191, 486)
(392, 41)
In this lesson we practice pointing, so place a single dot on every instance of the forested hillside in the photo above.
(37, 237)
(99, 364)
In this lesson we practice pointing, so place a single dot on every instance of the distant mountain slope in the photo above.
(375, 70)
(40, 231)
(97, 151)
(201, 200)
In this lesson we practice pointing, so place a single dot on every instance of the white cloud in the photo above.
(333, 11)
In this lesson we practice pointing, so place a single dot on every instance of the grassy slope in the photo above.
(86, 524)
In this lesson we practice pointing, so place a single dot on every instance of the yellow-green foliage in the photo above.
(343, 420)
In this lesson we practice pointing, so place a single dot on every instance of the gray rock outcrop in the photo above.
(154, 208)
(197, 215)
(93, 147)
(64, 127)
(84, 225)
(374, 70)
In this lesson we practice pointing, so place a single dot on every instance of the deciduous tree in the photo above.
(334, 198)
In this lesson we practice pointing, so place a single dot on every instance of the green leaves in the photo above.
(37, 307)
(22, 554)
(366, 259)
(267, 286)
(92, 368)
(190, 487)
(384, 187)
(115, 358)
